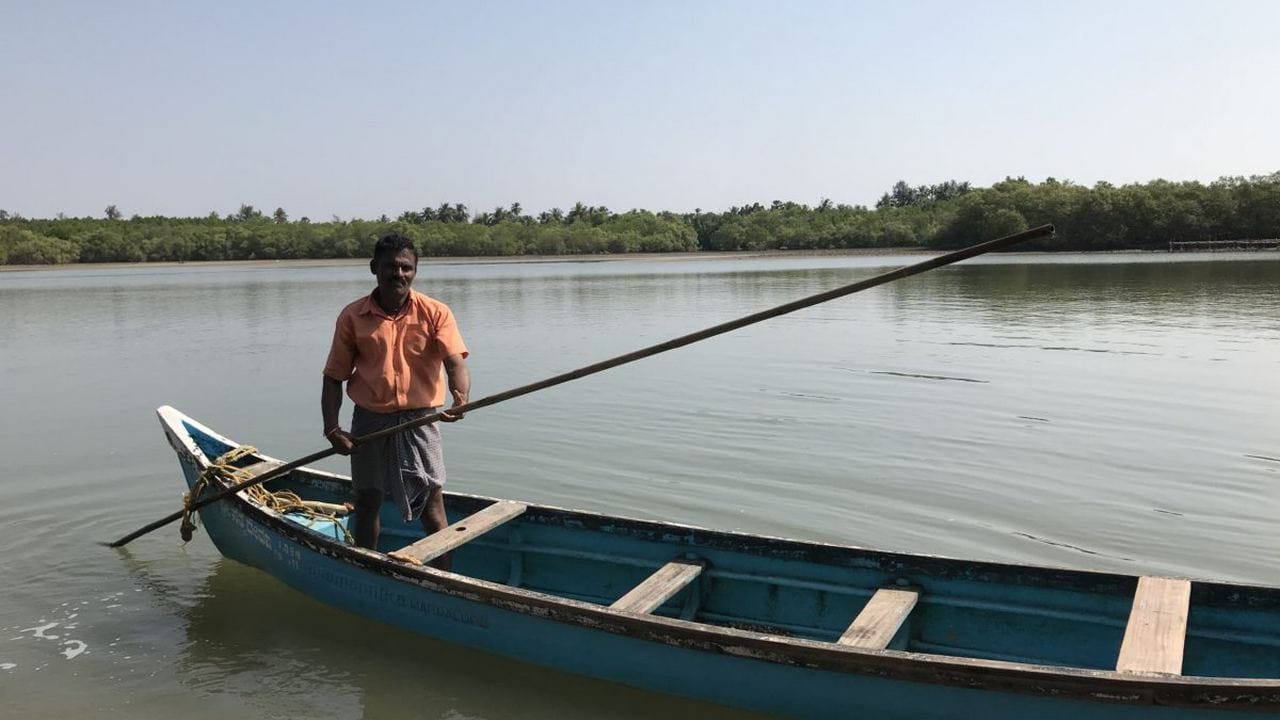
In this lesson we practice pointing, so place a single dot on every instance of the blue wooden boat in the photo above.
(798, 629)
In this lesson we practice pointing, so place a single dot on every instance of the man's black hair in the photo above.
(391, 244)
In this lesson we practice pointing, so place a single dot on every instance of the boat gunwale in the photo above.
(1259, 694)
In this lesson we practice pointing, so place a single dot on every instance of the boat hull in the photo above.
(661, 655)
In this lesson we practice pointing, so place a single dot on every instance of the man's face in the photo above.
(395, 273)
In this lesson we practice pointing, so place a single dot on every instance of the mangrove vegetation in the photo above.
(1144, 216)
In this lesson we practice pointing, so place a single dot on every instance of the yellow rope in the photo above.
(281, 501)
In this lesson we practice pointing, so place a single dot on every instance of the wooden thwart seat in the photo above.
(659, 587)
(259, 468)
(442, 541)
(879, 621)
(1157, 630)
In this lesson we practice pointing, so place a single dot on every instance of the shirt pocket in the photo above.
(373, 344)
(417, 341)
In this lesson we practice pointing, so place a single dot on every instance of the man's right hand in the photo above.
(341, 441)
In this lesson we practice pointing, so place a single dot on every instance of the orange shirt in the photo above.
(394, 363)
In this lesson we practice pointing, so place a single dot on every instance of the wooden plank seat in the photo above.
(259, 468)
(659, 587)
(880, 620)
(442, 541)
(1157, 630)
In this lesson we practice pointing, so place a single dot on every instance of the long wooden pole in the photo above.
(936, 262)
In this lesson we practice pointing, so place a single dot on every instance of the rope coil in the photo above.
(224, 470)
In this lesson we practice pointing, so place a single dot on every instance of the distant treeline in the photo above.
(947, 215)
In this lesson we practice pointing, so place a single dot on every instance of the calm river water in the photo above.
(1116, 412)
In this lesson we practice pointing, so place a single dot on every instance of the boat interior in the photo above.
(857, 598)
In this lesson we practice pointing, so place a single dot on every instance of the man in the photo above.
(393, 348)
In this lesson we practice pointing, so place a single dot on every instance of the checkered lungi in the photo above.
(404, 465)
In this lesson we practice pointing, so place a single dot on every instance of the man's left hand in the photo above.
(459, 399)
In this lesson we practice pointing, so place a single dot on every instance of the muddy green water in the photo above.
(1106, 412)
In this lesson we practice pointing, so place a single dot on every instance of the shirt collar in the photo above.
(371, 306)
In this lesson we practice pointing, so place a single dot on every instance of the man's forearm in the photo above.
(459, 378)
(330, 402)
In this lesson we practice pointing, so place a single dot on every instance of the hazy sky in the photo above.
(359, 109)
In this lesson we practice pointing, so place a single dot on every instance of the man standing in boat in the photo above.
(393, 349)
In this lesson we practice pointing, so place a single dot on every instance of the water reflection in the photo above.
(1136, 293)
(268, 647)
